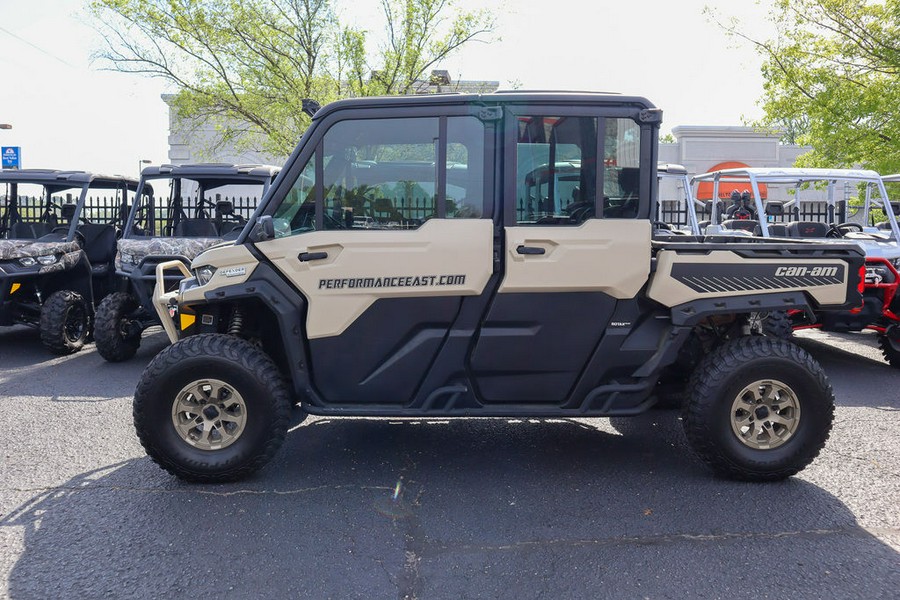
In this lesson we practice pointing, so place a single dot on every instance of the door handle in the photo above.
(306, 256)
(530, 250)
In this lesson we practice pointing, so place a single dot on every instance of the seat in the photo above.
(383, 210)
(196, 228)
(741, 224)
(629, 183)
(775, 230)
(807, 229)
(41, 229)
(99, 246)
(22, 231)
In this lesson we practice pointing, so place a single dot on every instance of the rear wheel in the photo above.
(116, 334)
(211, 408)
(759, 409)
(65, 322)
(889, 343)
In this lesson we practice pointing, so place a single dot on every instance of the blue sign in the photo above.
(11, 156)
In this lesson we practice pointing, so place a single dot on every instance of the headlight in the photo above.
(27, 261)
(204, 274)
(48, 259)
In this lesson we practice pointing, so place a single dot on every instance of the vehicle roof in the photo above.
(671, 169)
(790, 175)
(499, 97)
(211, 170)
(57, 179)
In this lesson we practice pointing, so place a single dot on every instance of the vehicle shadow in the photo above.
(20, 346)
(857, 380)
(27, 368)
(468, 508)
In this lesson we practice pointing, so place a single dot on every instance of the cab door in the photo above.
(384, 225)
(577, 244)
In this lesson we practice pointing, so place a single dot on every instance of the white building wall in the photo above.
(192, 141)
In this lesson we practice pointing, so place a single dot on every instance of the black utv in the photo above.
(184, 210)
(58, 233)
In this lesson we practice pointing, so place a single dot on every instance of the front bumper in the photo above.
(17, 286)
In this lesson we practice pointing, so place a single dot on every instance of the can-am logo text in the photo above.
(806, 271)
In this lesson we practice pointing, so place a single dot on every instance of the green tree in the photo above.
(246, 65)
(831, 74)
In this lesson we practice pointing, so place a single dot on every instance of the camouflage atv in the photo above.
(184, 210)
(58, 234)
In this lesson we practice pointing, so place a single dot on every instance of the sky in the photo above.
(67, 112)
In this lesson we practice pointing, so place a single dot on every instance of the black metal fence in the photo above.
(35, 209)
(674, 213)
(163, 217)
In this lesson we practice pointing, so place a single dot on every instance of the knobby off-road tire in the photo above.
(759, 409)
(777, 324)
(65, 322)
(890, 347)
(211, 408)
(113, 341)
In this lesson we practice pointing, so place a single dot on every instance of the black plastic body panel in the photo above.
(23, 306)
(288, 306)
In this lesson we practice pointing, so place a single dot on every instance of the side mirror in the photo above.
(775, 208)
(263, 229)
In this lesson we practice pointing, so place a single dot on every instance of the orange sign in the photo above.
(705, 188)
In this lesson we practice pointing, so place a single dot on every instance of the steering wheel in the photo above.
(842, 229)
(79, 237)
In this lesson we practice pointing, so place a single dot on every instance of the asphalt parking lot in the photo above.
(471, 508)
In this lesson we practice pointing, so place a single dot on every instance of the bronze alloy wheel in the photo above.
(209, 414)
(765, 414)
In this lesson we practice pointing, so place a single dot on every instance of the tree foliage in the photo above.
(247, 65)
(832, 80)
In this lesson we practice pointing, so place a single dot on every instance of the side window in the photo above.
(465, 168)
(556, 169)
(297, 213)
(102, 206)
(621, 166)
(386, 173)
(380, 174)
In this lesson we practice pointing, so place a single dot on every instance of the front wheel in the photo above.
(65, 322)
(889, 343)
(211, 408)
(759, 409)
(116, 334)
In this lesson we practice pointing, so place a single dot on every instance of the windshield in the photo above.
(32, 210)
(194, 207)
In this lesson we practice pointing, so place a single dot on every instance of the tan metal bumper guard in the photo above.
(161, 298)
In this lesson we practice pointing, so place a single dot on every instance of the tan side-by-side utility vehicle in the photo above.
(484, 255)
